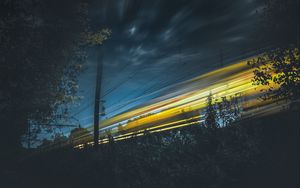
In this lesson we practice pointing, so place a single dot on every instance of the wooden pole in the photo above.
(97, 99)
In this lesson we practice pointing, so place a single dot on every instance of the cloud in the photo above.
(170, 39)
(235, 39)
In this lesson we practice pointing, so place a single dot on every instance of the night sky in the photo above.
(157, 43)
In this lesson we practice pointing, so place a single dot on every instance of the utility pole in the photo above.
(97, 98)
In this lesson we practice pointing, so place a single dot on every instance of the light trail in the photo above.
(151, 129)
(182, 106)
(195, 93)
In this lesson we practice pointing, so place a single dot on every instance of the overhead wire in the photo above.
(143, 95)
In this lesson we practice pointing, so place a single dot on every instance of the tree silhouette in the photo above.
(211, 114)
(42, 49)
(228, 110)
(278, 69)
(80, 135)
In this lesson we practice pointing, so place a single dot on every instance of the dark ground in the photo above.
(256, 153)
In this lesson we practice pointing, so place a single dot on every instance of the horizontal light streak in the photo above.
(225, 82)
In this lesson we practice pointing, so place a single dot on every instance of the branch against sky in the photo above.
(43, 49)
(278, 69)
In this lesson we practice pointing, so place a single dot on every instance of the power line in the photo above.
(122, 69)
(143, 95)
(137, 70)
(83, 108)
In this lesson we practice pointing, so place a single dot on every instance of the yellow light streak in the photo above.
(166, 112)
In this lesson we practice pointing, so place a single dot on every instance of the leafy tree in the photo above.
(222, 112)
(279, 70)
(42, 48)
(32, 136)
(211, 114)
(59, 139)
(228, 110)
(45, 143)
(80, 133)
(279, 65)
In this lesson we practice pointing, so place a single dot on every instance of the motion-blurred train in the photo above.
(185, 104)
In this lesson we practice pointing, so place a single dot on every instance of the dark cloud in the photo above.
(158, 43)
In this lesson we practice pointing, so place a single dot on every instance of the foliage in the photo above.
(79, 133)
(223, 111)
(278, 69)
(42, 49)
(228, 109)
(45, 143)
(253, 153)
(211, 113)
(188, 157)
(59, 138)
(280, 29)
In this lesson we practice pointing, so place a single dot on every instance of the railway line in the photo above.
(185, 104)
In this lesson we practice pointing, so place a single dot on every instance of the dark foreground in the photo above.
(256, 153)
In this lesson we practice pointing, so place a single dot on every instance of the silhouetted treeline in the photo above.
(43, 47)
(255, 153)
